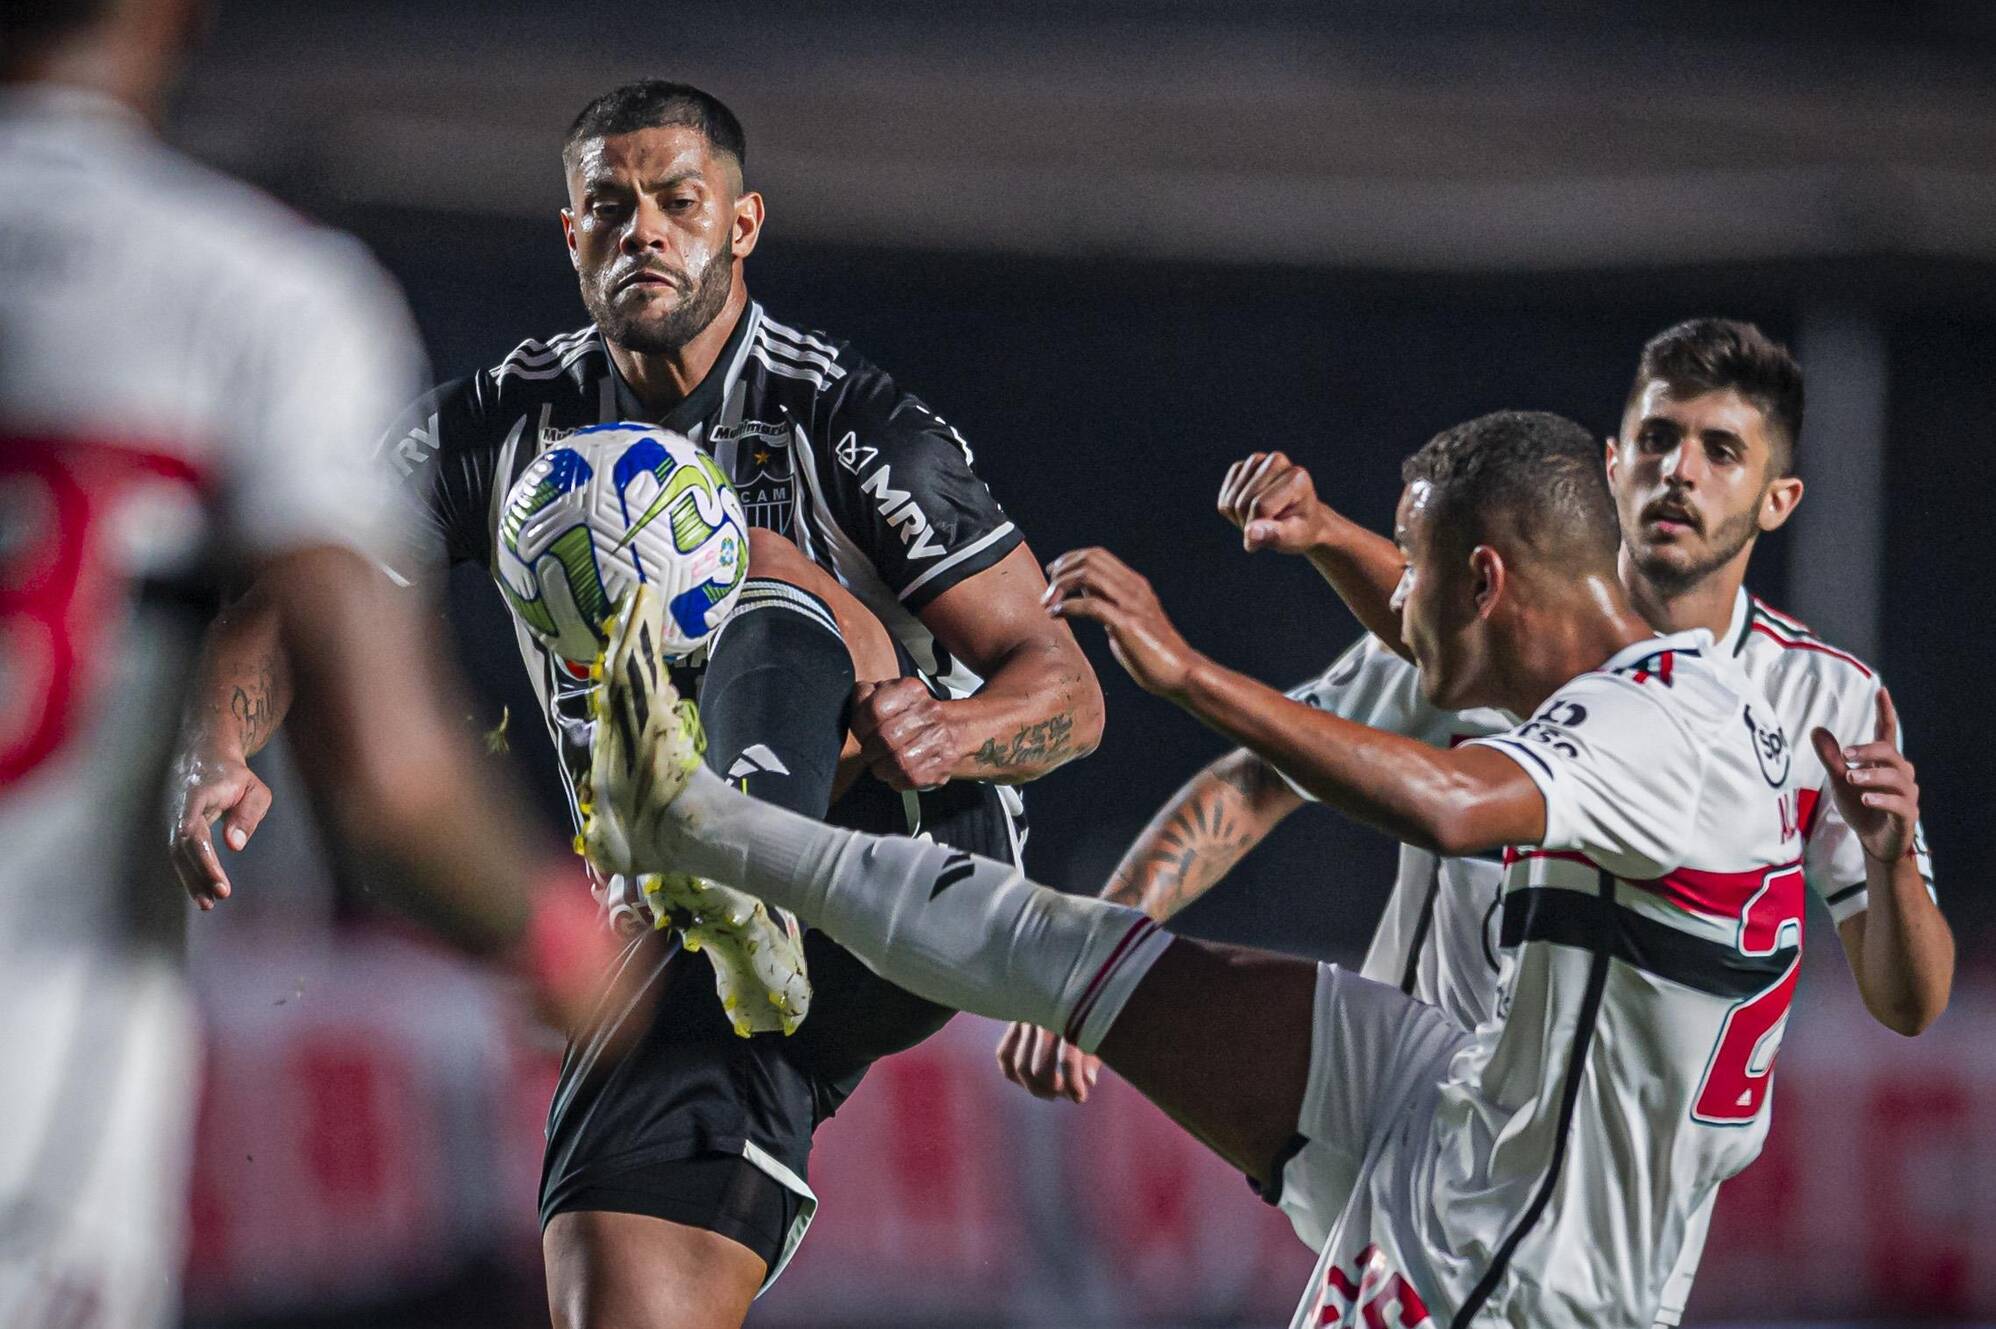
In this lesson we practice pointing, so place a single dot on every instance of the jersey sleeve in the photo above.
(901, 488)
(1621, 775)
(1368, 684)
(329, 353)
(445, 457)
(1832, 858)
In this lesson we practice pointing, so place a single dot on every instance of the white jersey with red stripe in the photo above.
(1438, 938)
(1649, 949)
(190, 378)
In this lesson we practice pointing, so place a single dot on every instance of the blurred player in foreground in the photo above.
(1541, 1170)
(674, 1186)
(1703, 465)
(190, 381)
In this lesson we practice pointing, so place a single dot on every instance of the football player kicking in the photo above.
(674, 1181)
(1543, 1169)
(1702, 466)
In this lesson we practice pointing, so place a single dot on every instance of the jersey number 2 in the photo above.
(1742, 1064)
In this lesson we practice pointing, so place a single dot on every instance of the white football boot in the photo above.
(647, 744)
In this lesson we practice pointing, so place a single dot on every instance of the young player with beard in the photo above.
(1543, 1169)
(1701, 468)
(674, 1181)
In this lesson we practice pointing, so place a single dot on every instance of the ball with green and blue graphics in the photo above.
(609, 507)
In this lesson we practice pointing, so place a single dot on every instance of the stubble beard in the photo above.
(1672, 576)
(667, 333)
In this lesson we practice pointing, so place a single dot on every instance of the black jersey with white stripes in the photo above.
(822, 445)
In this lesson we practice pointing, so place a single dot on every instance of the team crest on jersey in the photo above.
(1770, 747)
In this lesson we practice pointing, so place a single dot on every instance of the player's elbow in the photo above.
(1909, 1017)
(1909, 1009)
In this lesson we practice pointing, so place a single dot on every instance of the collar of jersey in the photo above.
(707, 394)
(1695, 640)
(1742, 621)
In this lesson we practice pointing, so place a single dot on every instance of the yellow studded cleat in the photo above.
(647, 744)
(757, 952)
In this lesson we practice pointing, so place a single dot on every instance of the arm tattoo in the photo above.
(1174, 866)
(1036, 744)
(251, 706)
(1251, 777)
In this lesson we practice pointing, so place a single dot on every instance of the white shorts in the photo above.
(1373, 1051)
(99, 1059)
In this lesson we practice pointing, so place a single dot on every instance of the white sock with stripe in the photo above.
(966, 932)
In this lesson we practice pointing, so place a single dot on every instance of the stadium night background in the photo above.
(1119, 245)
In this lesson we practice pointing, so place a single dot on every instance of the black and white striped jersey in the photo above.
(823, 447)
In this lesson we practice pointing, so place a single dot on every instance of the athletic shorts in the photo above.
(1374, 1051)
(99, 1067)
(685, 1087)
(1409, 1217)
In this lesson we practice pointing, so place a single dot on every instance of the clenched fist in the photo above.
(906, 736)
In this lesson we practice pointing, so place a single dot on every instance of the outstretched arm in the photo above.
(1194, 840)
(1274, 502)
(1455, 802)
(1900, 949)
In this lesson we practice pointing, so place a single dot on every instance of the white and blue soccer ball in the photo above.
(609, 507)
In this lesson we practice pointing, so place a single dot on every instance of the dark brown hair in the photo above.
(1713, 354)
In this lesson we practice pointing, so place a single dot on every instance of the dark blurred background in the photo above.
(1120, 245)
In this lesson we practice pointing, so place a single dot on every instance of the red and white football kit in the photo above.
(1438, 937)
(1546, 1168)
(190, 378)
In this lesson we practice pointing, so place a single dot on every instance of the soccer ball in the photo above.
(611, 506)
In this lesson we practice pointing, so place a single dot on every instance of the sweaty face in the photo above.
(1689, 476)
(651, 218)
(1436, 601)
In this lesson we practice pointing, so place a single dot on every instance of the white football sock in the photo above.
(966, 932)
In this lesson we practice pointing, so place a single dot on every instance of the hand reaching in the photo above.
(1095, 584)
(1874, 786)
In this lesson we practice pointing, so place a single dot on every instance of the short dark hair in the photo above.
(1528, 476)
(1704, 355)
(653, 103)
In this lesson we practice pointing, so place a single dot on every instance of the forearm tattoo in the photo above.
(1180, 861)
(1047, 742)
(250, 704)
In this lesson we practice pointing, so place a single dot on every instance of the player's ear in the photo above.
(1778, 504)
(1488, 577)
(747, 228)
(568, 238)
(1612, 459)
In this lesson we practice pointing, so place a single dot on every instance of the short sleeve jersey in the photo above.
(1437, 939)
(823, 447)
(1650, 944)
(191, 377)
